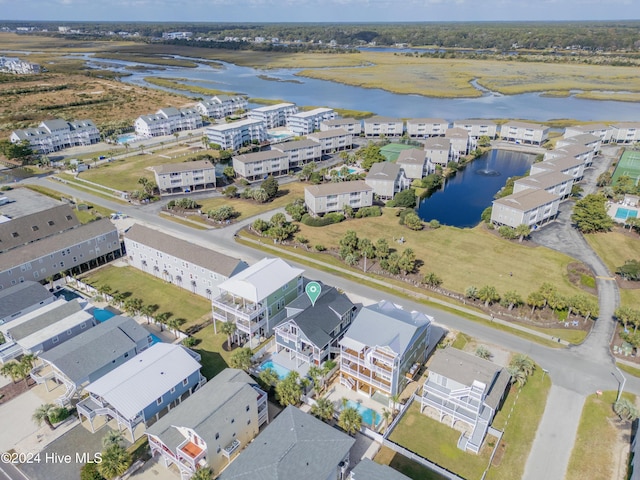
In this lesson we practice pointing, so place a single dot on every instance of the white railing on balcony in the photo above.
(385, 387)
(287, 335)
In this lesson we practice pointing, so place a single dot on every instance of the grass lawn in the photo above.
(152, 291)
(214, 357)
(630, 298)
(248, 208)
(615, 247)
(85, 216)
(461, 257)
(411, 469)
(594, 453)
(631, 370)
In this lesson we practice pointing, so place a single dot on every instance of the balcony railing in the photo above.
(378, 383)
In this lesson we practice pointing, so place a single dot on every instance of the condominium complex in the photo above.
(185, 177)
(426, 127)
(273, 115)
(351, 125)
(335, 196)
(220, 106)
(525, 133)
(167, 121)
(53, 135)
(383, 126)
(258, 165)
(232, 136)
(303, 123)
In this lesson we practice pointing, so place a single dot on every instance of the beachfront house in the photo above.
(462, 387)
(221, 106)
(426, 127)
(21, 299)
(310, 333)
(143, 389)
(167, 121)
(529, 207)
(258, 165)
(185, 177)
(375, 127)
(478, 128)
(351, 125)
(212, 425)
(294, 445)
(333, 197)
(234, 135)
(300, 152)
(414, 163)
(553, 182)
(383, 349)
(255, 299)
(90, 355)
(273, 116)
(187, 265)
(303, 123)
(333, 140)
(386, 179)
(525, 133)
(53, 135)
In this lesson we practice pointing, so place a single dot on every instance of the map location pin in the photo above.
(313, 290)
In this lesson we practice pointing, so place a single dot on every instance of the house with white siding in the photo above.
(258, 165)
(273, 115)
(439, 152)
(232, 136)
(553, 182)
(187, 265)
(334, 196)
(465, 388)
(333, 140)
(351, 125)
(378, 126)
(303, 123)
(220, 106)
(427, 127)
(54, 135)
(413, 162)
(568, 165)
(599, 130)
(387, 179)
(185, 177)
(625, 133)
(529, 207)
(525, 133)
(478, 128)
(586, 139)
(167, 121)
(461, 142)
(300, 152)
(581, 152)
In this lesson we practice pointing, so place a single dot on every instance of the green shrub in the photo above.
(189, 342)
(373, 211)
(434, 224)
(630, 270)
(57, 415)
(320, 248)
(89, 471)
(328, 219)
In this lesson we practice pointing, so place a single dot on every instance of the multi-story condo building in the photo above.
(582, 152)
(258, 165)
(383, 348)
(333, 197)
(21, 299)
(461, 142)
(273, 115)
(465, 388)
(625, 133)
(212, 425)
(185, 177)
(383, 126)
(528, 207)
(232, 136)
(303, 123)
(585, 139)
(351, 125)
(167, 121)
(413, 162)
(310, 333)
(604, 132)
(220, 106)
(438, 151)
(53, 135)
(386, 179)
(143, 389)
(426, 127)
(192, 267)
(294, 445)
(553, 182)
(478, 128)
(300, 152)
(567, 165)
(333, 140)
(90, 355)
(525, 133)
(255, 299)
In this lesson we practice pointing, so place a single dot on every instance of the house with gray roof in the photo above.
(273, 116)
(478, 127)
(90, 355)
(303, 123)
(351, 125)
(387, 179)
(187, 265)
(370, 470)
(167, 121)
(383, 349)
(594, 142)
(600, 130)
(258, 165)
(311, 332)
(465, 388)
(568, 165)
(300, 152)
(553, 182)
(532, 207)
(334, 196)
(57, 134)
(333, 140)
(426, 127)
(185, 177)
(234, 135)
(625, 132)
(144, 388)
(21, 299)
(383, 126)
(212, 425)
(414, 163)
(461, 142)
(220, 106)
(295, 445)
(439, 152)
(582, 152)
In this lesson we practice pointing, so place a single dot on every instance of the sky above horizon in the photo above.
(318, 10)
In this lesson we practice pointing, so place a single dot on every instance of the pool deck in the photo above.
(285, 361)
(337, 392)
(612, 209)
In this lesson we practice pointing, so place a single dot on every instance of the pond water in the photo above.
(463, 198)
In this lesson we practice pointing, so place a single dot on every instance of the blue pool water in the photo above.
(280, 370)
(154, 339)
(68, 295)
(624, 213)
(126, 138)
(367, 413)
(102, 315)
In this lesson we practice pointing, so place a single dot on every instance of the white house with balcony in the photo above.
(273, 116)
(465, 388)
(300, 152)
(426, 127)
(602, 131)
(478, 128)
(185, 177)
(387, 179)
(303, 123)
(53, 135)
(461, 142)
(414, 163)
(333, 140)
(232, 136)
(383, 349)
(439, 153)
(220, 106)
(383, 126)
(567, 165)
(583, 140)
(351, 125)
(334, 196)
(524, 133)
(255, 299)
(553, 182)
(532, 207)
(258, 165)
(167, 121)
(211, 426)
(582, 152)
(625, 133)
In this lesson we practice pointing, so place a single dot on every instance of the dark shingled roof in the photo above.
(24, 295)
(42, 321)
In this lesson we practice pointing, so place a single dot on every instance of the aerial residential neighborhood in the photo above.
(330, 253)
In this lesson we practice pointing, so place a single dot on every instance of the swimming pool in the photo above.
(624, 213)
(102, 315)
(68, 295)
(280, 370)
(366, 413)
(126, 138)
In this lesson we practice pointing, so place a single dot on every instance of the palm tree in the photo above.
(203, 473)
(625, 409)
(269, 377)
(395, 401)
(174, 324)
(488, 294)
(387, 416)
(520, 368)
(148, 311)
(241, 358)
(27, 361)
(10, 369)
(133, 306)
(323, 409)
(535, 300)
(316, 374)
(104, 290)
(42, 415)
(228, 328)
(289, 390)
(522, 231)
(350, 420)
(483, 352)
(115, 461)
(161, 319)
(118, 298)
(113, 437)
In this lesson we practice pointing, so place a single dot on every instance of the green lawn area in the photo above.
(248, 208)
(411, 469)
(615, 247)
(152, 291)
(461, 257)
(630, 370)
(214, 357)
(629, 297)
(85, 216)
(594, 452)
